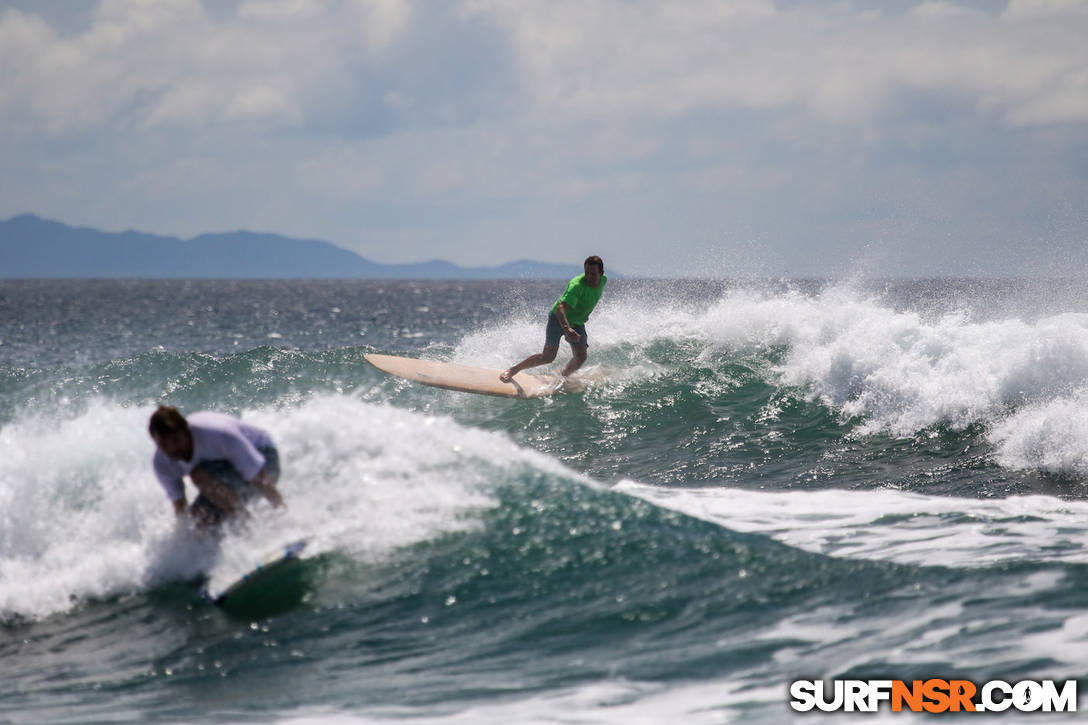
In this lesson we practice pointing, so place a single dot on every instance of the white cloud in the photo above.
(944, 10)
(841, 64)
(166, 61)
(187, 102)
(395, 126)
(264, 101)
(280, 10)
(1043, 8)
(383, 21)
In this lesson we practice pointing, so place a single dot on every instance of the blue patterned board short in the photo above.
(223, 470)
(555, 333)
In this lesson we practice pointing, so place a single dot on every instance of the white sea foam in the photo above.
(913, 529)
(898, 371)
(611, 701)
(901, 372)
(897, 526)
(84, 517)
(1050, 436)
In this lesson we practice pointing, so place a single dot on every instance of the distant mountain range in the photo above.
(32, 247)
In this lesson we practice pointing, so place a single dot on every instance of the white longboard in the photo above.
(465, 378)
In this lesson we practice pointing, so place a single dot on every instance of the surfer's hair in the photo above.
(165, 420)
(595, 260)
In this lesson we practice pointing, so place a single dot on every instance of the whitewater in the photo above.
(759, 482)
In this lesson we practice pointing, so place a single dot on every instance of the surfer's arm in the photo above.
(267, 486)
(181, 507)
(219, 493)
(561, 315)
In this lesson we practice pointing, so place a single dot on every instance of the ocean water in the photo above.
(760, 482)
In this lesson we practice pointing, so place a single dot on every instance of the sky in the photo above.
(706, 138)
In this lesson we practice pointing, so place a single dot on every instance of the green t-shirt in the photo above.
(582, 299)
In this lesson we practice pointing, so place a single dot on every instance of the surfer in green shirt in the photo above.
(568, 319)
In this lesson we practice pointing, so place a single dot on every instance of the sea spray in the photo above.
(809, 489)
(84, 516)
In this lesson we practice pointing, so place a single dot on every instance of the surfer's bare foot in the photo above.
(506, 375)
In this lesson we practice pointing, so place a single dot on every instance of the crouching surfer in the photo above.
(227, 460)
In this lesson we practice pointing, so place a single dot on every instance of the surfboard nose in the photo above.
(464, 378)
